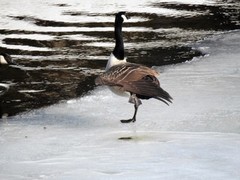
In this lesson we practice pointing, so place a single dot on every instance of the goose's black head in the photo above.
(120, 17)
(5, 59)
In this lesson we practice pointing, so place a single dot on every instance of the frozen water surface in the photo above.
(197, 137)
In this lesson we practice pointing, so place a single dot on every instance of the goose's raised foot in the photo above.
(128, 120)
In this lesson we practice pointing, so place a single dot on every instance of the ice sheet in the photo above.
(197, 137)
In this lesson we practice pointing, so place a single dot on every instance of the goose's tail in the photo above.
(164, 96)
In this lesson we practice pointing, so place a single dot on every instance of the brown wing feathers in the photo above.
(136, 79)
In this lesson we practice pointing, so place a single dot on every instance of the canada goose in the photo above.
(3, 88)
(6, 59)
(138, 81)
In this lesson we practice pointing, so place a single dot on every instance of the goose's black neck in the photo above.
(118, 51)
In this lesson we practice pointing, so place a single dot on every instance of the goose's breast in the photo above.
(119, 91)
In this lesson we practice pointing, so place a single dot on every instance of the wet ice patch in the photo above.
(31, 91)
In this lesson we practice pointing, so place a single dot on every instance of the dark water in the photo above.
(58, 59)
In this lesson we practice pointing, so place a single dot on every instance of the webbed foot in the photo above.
(128, 120)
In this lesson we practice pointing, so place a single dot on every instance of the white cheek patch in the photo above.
(124, 17)
(2, 60)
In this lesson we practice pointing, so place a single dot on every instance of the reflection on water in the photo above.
(61, 47)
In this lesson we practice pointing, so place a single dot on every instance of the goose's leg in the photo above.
(133, 99)
(135, 113)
